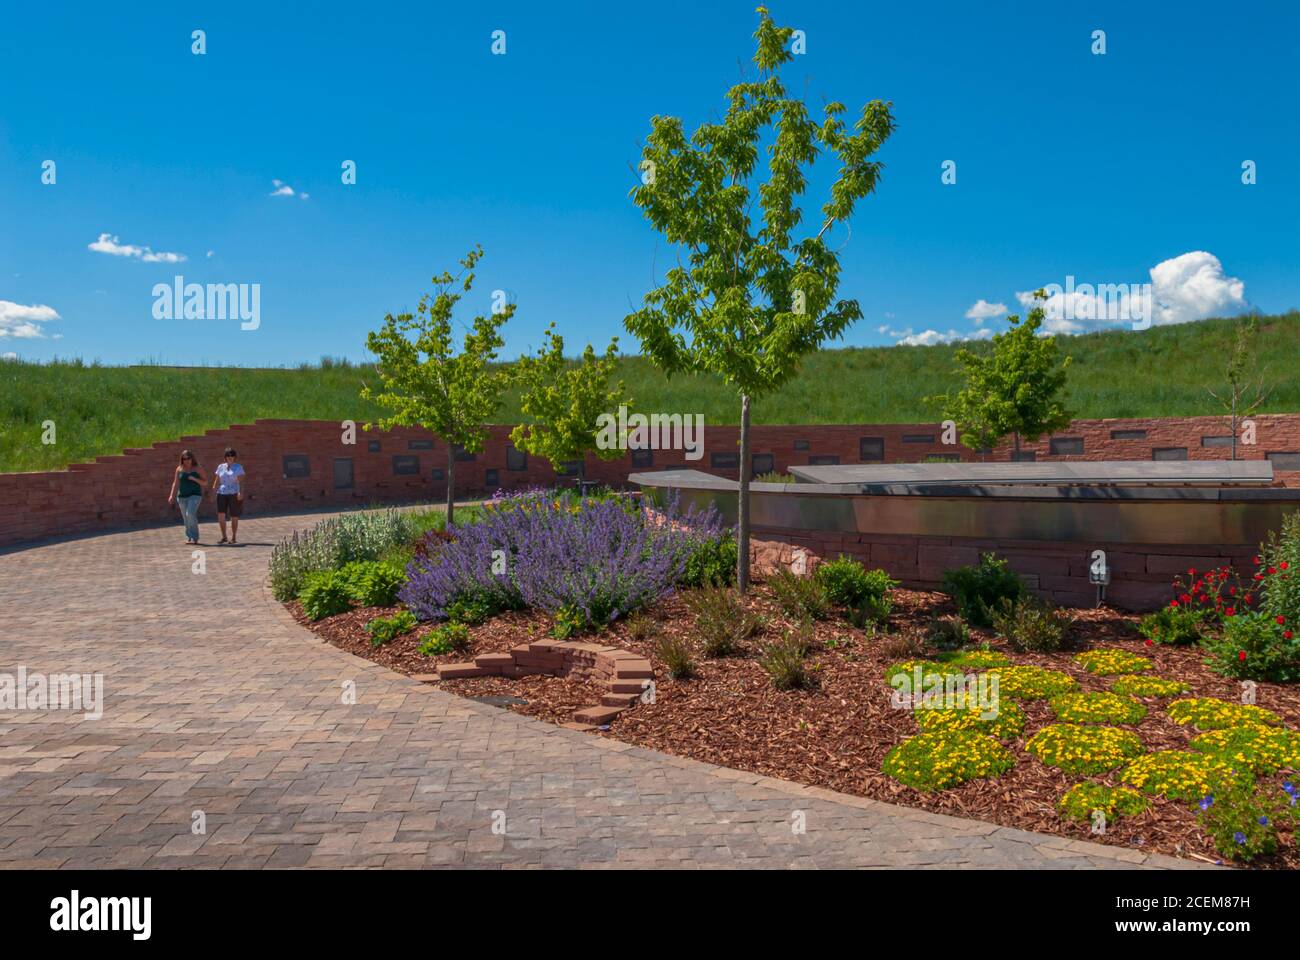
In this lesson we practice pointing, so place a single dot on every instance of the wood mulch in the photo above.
(836, 735)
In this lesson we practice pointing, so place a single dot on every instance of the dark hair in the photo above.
(189, 455)
(230, 452)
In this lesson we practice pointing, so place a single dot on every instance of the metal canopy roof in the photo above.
(1075, 472)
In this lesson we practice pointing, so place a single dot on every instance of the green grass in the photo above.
(102, 410)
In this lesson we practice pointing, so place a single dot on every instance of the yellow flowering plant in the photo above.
(1261, 750)
(1007, 720)
(1097, 708)
(1132, 685)
(1083, 800)
(1181, 774)
(937, 761)
(1207, 713)
(1084, 750)
(1111, 660)
(1032, 683)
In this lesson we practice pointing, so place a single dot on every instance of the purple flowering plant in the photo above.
(593, 559)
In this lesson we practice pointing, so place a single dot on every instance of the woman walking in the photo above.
(228, 479)
(187, 488)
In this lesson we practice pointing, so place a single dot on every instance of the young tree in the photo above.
(1012, 388)
(565, 400)
(1245, 391)
(424, 382)
(746, 301)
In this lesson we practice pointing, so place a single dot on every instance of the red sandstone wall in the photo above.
(1141, 576)
(131, 488)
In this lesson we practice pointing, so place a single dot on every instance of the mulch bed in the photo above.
(837, 734)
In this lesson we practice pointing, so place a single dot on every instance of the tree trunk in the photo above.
(742, 503)
(1016, 454)
(1234, 424)
(451, 481)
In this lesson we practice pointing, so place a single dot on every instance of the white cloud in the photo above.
(1188, 287)
(282, 189)
(929, 338)
(211, 254)
(113, 246)
(982, 310)
(24, 322)
(1192, 287)
(8, 356)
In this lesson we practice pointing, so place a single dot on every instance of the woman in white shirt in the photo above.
(229, 480)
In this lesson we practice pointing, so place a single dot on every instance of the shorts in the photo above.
(229, 504)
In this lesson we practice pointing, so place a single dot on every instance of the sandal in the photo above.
(223, 540)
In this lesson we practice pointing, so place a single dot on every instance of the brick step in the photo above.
(619, 699)
(634, 670)
(459, 671)
(627, 686)
(597, 715)
(494, 661)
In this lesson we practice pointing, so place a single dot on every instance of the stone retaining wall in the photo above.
(292, 465)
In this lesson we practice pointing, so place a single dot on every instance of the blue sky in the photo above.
(1068, 163)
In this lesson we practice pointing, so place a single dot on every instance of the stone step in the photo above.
(494, 661)
(619, 699)
(627, 686)
(460, 671)
(597, 715)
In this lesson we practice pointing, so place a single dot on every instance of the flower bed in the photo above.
(1128, 733)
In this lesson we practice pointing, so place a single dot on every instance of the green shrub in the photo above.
(1263, 644)
(847, 583)
(948, 633)
(1254, 646)
(904, 645)
(1243, 820)
(384, 630)
(445, 638)
(472, 609)
(325, 594)
(800, 598)
(373, 583)
(980, 590)
(569, 621)
(640, 626)
(334, 542)
(774, 477)
(711, 563)
(721, 620)
(676, 655)
(1031, 625)
(784, 662)
(871, 612)
(1180, 626)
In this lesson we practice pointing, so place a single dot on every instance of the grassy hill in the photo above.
(102, 410)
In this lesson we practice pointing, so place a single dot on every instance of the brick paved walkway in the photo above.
(217, 702)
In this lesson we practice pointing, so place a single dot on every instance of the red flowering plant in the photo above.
(1215, 594)
(1202, 600)
(1261, 643)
